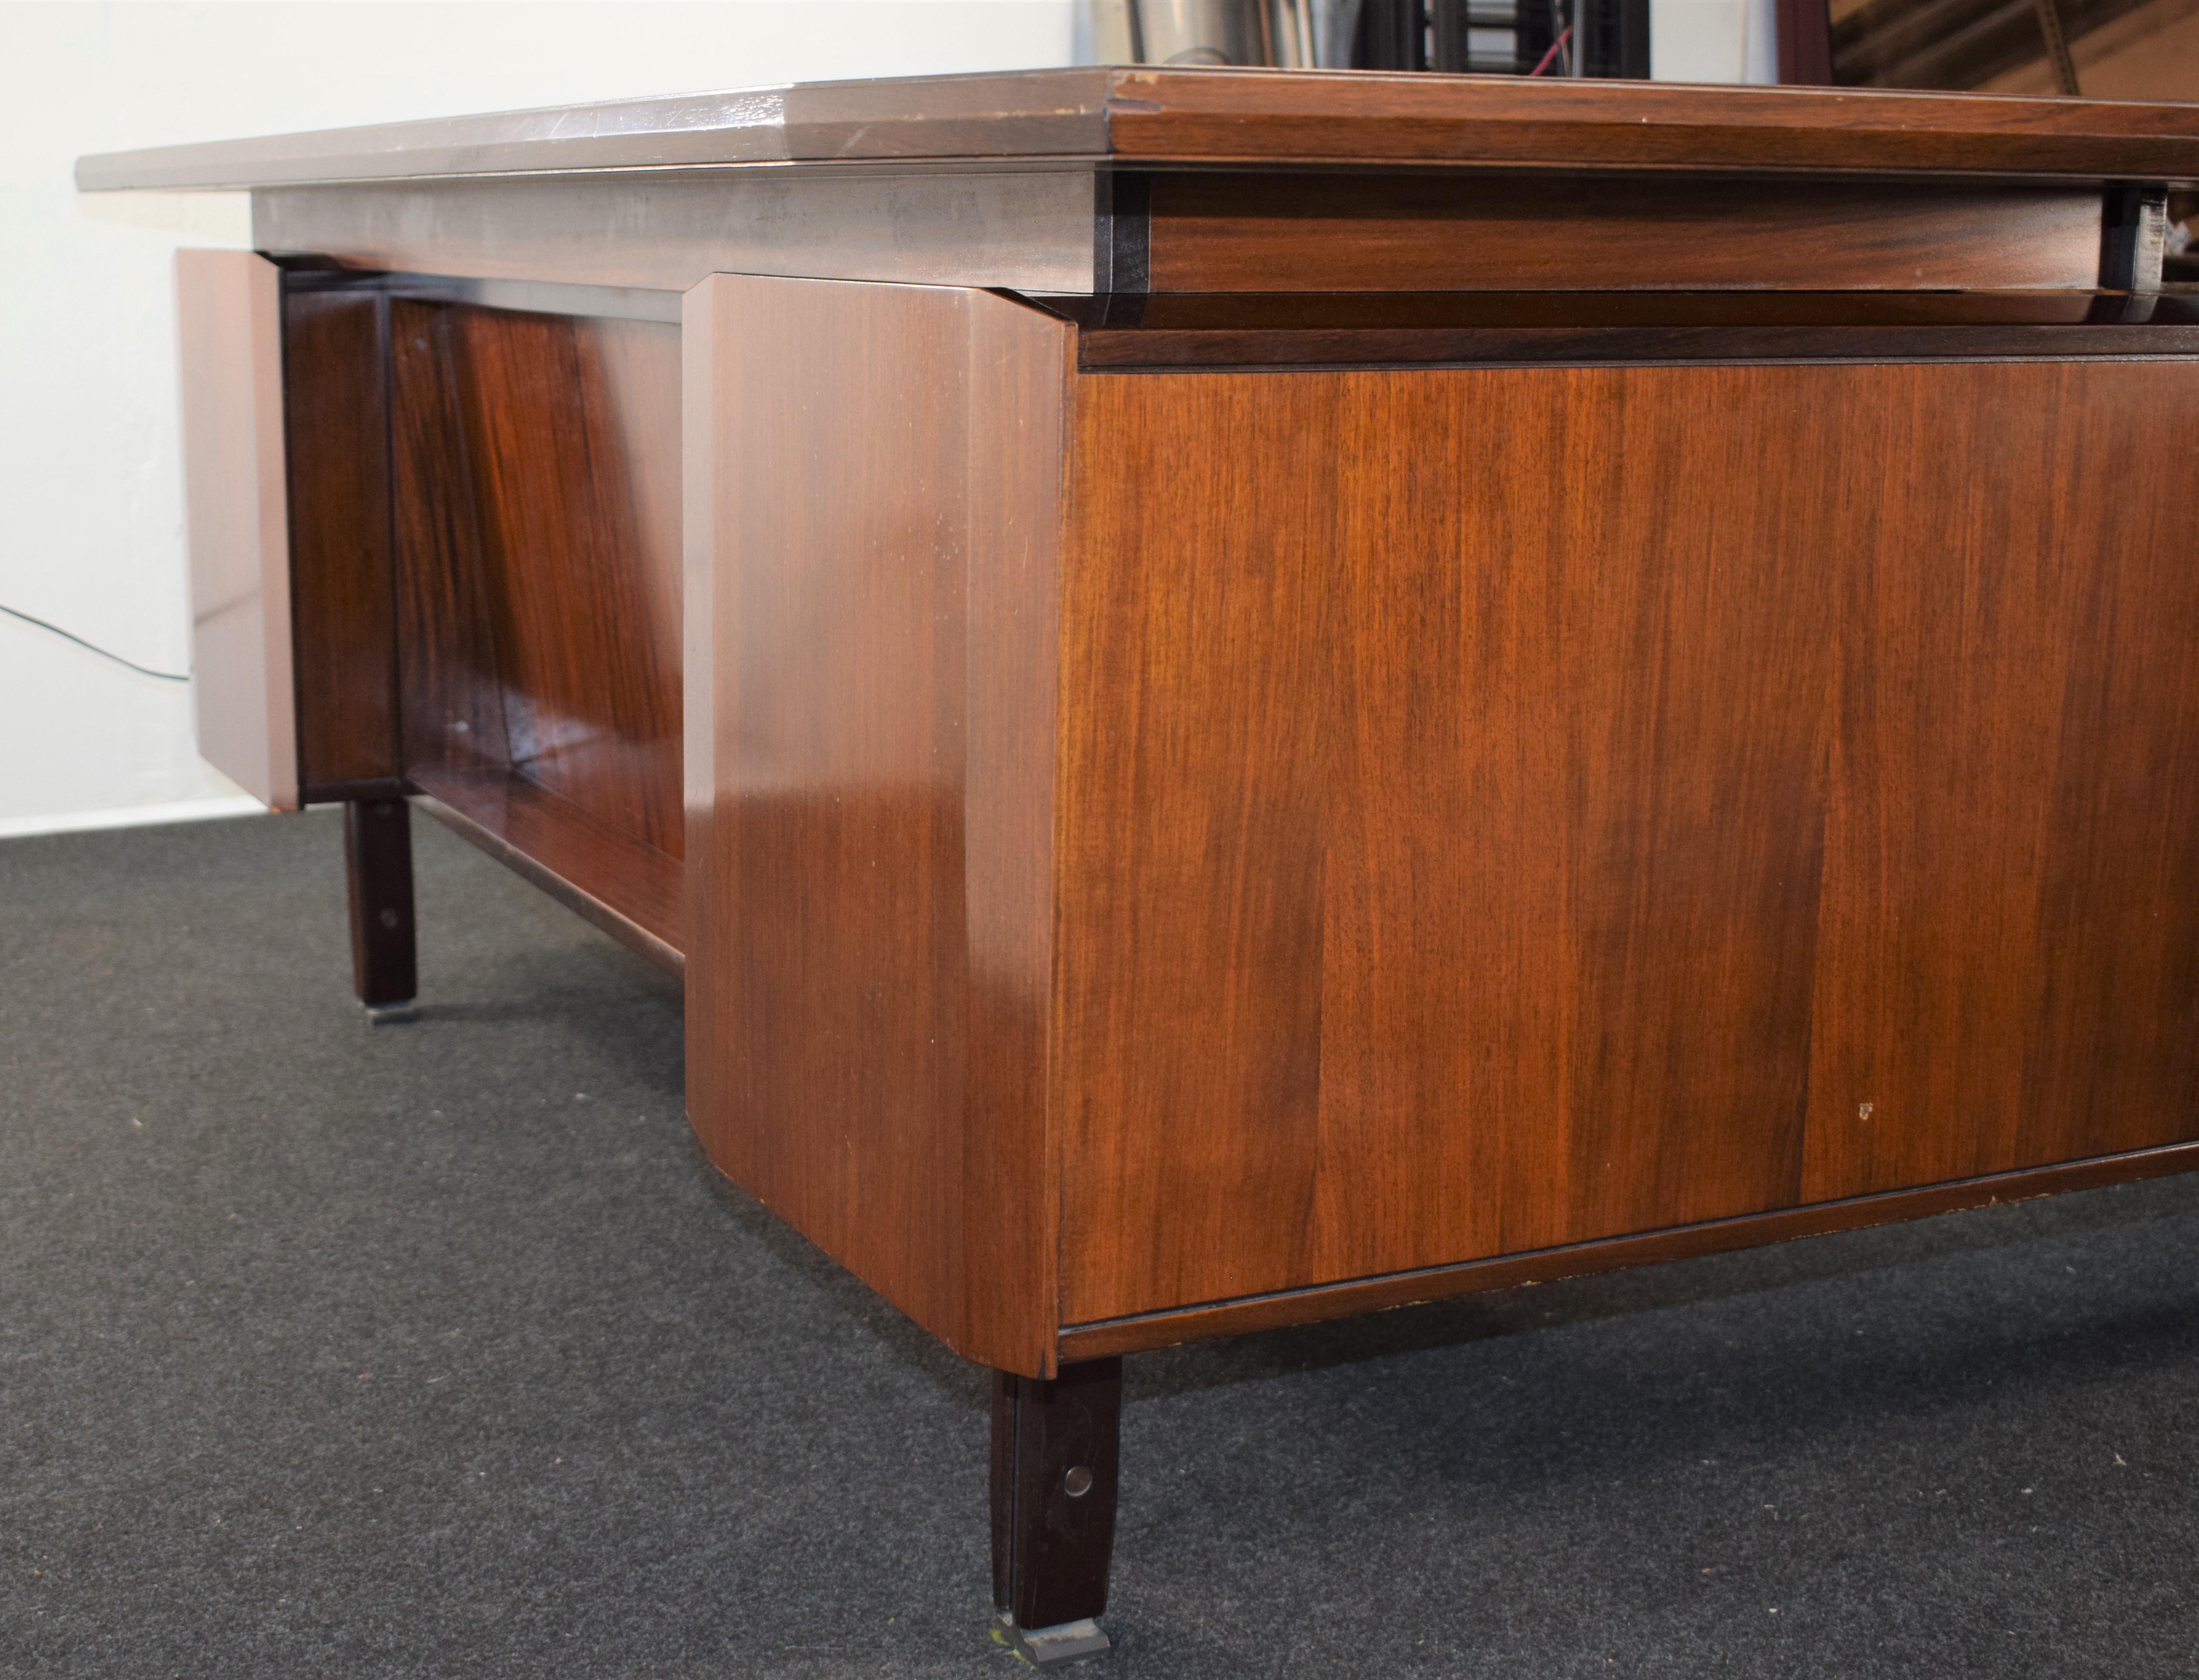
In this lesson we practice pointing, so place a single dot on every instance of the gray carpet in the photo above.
(439, 1351)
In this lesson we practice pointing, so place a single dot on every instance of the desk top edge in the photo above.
(1163, 116)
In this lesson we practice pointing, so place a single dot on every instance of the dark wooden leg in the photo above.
(1054, 1455)
(378, 863)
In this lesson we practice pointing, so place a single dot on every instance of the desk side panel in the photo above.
(229, 319)
(1504, 809)
(337, 427)
(871, 526)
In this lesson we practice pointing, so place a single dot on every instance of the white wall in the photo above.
(91, 484)
(1713, 40)
(90, 487)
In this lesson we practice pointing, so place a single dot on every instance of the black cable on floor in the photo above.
(69, 636)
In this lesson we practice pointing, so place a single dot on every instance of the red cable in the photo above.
(1556, 47)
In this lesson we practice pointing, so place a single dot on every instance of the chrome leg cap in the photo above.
(1051, 1646)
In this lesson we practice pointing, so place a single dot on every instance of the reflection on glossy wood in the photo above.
(229, 325)
(1298, 232)
(452, 699)
(624, 886)
(538, 525)
(871, 517)
(1454, 864)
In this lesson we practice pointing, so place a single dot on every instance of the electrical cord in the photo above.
(1556, 47)
(70, 636)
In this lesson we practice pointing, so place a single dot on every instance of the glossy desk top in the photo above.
(1190, 117)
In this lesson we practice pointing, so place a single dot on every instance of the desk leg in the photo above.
(1055, 1453)
(378, 865)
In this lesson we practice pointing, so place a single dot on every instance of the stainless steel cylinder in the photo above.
(1202, 32)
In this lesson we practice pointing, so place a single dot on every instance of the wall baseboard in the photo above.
(134, 816)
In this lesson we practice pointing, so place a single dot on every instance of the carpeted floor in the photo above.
(438, 1350)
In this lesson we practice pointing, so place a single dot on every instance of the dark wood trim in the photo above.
(335, 393)
(1718, 1236)
(1055, 1466)
(1416, 230)
(365, 787)
(1212, 311)
(639, 860)
(1592, 346)
(378, 876)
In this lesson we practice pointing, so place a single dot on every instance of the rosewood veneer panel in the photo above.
(451, 695)
(1437, 232)
(627, 887)
(343, 595)
(872, 519)
(1236, 1316)
(1453, 862)
(2010, 923)
(538, 595)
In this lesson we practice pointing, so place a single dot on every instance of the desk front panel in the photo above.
(1505, 809)
(1161, 838)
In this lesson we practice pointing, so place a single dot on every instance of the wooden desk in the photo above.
(1251, 697)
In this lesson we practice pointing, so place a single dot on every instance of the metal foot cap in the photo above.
(393, 1014)
(1051, 1646)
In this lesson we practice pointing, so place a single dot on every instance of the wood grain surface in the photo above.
(631, 889)
(545, 531)
(872, 518)
(342, 589)
(1056, 1468)
(1181, 116)
(1216, 231)
(1196, 115)
(1507, 809)
(538, 525)
(385, 967)
(1170, 1326)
